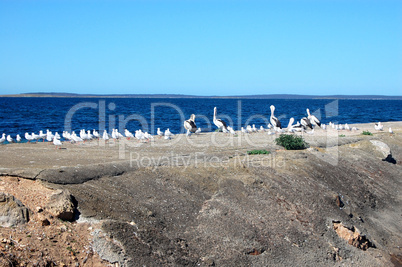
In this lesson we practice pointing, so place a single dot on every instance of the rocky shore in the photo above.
(204, 200)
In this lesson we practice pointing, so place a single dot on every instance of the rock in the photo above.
(352, 236)
(12, 211)
(61, 205)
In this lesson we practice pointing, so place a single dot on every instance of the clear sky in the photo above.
(201, 47)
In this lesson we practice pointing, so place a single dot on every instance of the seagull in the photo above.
(379, 127)
(313, 119)
(390, 130)
(190, 125)
(244, 131)
(18, 138)
(42, 135)
(95, 133)
(105, 135)
(231, 131)
(57, 142)
(10, 139)
(128, 134)
(28, 137)
(261, 129)
(274, 121)
(218, 122)
(159, 133)
(168, 133)
(249, 129)
(347, 127)
(3, 138)
(199, 130)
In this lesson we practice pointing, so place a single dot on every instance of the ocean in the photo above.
(25, 114)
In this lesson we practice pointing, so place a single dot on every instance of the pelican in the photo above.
(313, 119)
(190, 125)
(306, 123)
(3, 138)
(290, 124)
(274, 121)
(218, 122)
(379, 127)
(18, 138)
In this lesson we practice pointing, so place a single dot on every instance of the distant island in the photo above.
(265, 96)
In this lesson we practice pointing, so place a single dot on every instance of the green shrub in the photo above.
(342, 135)
(366, 133)
(291, 142)
(258, 152)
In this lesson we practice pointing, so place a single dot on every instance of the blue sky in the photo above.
(201, 47)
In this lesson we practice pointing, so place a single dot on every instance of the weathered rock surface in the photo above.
(12, 211)
(61, 205)
(169, 206)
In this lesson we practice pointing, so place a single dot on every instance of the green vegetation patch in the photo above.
(258, 152)
(342, 135)
(291, 142)
(366, 133)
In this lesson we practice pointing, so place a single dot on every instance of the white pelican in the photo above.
(218, 122)
(313, 119)
(3, 138)
(274, 121)
(290, 124)
(18, 138)
(57, 142)
(379, 127)
(306, 123)
(190, 125)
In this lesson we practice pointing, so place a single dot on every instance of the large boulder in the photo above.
(12, 211)
(61, 205)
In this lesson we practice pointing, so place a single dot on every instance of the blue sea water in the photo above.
(20, 115)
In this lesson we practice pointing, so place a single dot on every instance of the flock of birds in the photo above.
(306, 123)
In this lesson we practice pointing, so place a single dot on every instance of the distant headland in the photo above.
(264, 96)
